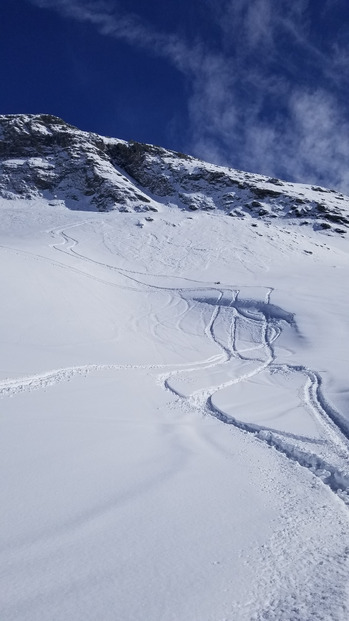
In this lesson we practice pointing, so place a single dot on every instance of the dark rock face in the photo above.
(41, 155)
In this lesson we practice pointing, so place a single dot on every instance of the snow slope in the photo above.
(174, 405)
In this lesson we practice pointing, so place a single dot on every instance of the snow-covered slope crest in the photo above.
(41, 155)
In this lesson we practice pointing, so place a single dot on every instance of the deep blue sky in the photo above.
(260, 85)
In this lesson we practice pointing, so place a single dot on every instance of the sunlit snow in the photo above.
(174, 417)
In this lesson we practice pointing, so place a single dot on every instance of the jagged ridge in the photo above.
(41, 155)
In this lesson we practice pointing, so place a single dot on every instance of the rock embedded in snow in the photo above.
(41, 155)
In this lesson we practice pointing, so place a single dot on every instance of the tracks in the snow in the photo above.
(251, 329)
(244, 331)
(269, 320)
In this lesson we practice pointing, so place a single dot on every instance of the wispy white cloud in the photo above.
(306, 137)
(311, 143)
(258, 20)
(242, 111)
(110, 20)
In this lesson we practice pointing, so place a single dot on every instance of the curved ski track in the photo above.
(260, 316)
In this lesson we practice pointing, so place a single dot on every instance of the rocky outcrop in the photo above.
(42, 155)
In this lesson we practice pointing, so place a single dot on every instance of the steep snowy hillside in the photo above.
(44, 156)
(174, 387)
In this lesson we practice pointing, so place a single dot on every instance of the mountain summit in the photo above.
(41, 155)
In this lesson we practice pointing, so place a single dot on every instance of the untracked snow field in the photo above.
(174, 417)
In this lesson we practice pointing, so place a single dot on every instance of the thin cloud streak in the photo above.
(306, 139)
(112, 22)
(312, 146)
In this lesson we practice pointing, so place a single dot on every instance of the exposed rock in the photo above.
(41, 155)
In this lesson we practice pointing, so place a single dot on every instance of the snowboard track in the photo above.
(263, 314)
(272, 319)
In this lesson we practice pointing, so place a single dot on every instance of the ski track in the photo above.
(262, 315)
(332, 424)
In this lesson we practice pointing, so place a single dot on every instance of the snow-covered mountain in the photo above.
(41, 155)
(174, 388)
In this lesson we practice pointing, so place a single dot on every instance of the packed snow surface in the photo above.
(174, 417)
